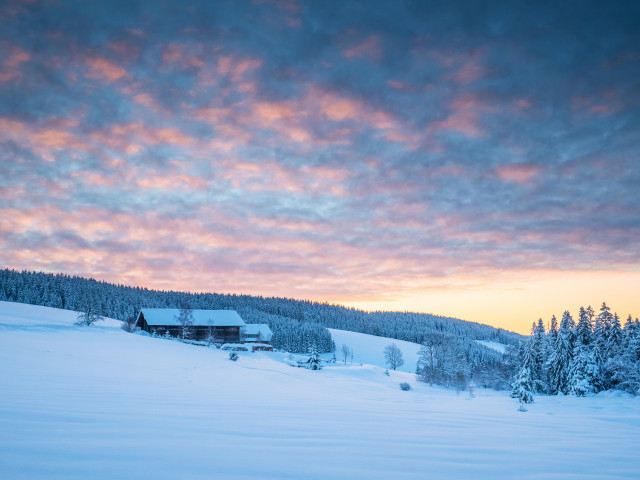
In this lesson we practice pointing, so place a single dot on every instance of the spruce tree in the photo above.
(523, 386)
(559, 361)
(613, 357)
(585, 373)
(602, 328)
(313, 362)
(538, 349)
(553, 330)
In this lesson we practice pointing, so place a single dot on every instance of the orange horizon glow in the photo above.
(512, 303)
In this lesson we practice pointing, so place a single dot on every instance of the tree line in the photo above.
(597, 353)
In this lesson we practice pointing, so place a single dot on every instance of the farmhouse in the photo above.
(222, 326)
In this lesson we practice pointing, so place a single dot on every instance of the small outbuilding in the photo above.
(255, 332)
(258, 335)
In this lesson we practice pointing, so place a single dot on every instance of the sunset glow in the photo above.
(470, 159)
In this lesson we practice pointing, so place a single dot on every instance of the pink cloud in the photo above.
(153, 136)
(338, 108)
(464, 117)
(469, 72)
(172, 181)
(184, 55)
(212, 115)
(16, 58)
(44, 141)
(104, 69)
(403, 87)
(94, 179)
(144, 99)
(10, 68)
(272, 110)
(524, 103)
(369, 47)
(237, 68)
(518, 172)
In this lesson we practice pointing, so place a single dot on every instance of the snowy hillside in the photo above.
(96, 402)
(369, 349)
(498, 347)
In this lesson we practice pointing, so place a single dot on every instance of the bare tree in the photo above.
(345, 353)
(210, 332)
(129, 325)
(393, 356)
(185, 319)
(441, 361)
(89, 314)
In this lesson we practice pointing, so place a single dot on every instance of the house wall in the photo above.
(220, 334)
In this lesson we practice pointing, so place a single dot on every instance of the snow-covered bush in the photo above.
(313, 362)
(129, 324)
(405, 386)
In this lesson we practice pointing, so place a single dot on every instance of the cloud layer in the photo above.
(355, 152)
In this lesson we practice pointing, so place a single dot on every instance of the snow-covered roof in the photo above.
(258, 328)
(204, 318)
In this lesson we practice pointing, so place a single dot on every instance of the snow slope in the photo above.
(370, 349)
(498, 347)
(99, 403)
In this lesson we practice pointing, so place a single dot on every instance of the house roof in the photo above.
(201, 318)
(258, 328)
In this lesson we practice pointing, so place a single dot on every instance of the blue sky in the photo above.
(404, 155)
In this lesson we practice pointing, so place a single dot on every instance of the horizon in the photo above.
(526, 332)
(475, 161)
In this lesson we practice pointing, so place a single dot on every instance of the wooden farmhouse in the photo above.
(222, 326)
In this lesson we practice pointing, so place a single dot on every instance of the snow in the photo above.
(215, 318)
(369, 349)
(498, 347)
(96, 402)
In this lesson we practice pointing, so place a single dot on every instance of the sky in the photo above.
(471, 159)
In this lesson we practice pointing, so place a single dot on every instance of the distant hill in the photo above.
(296, 324)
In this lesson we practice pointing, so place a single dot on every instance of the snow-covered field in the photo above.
(96, 402)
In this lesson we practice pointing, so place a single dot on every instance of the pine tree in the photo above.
(559, 361)
(313, 362)
(615, 338)
(538, 349)
(614, 351)
(625, 368)
(585, 374)
(523, 385)
(602, 328)
(553, 330)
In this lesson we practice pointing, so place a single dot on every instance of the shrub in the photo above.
(129, 325)
(405, 386)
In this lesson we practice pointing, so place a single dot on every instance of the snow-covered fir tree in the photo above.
(313, 362)
(538, 351)
(602, 328)
(586, 365)
(524, 385)
(559, 361)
